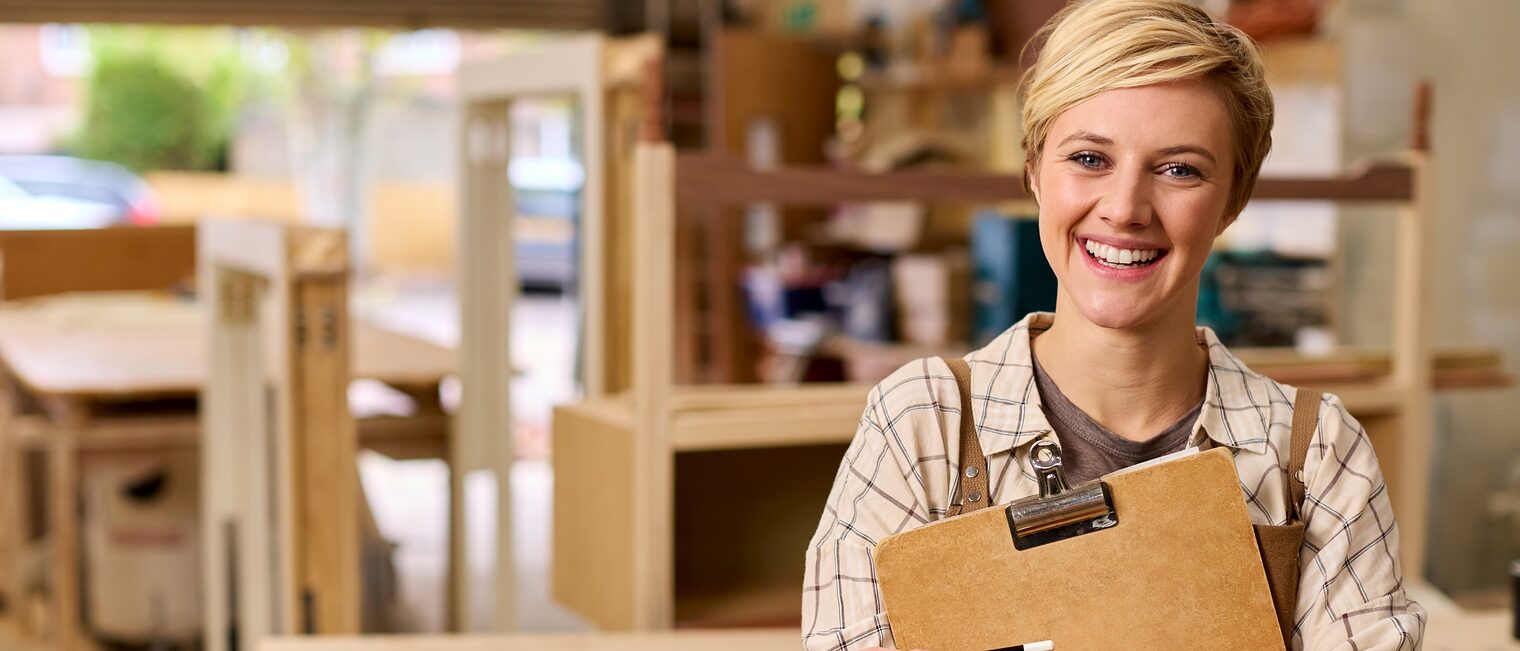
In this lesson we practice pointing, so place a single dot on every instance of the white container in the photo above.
(142, 545)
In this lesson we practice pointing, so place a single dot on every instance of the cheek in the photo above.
(1192, 220)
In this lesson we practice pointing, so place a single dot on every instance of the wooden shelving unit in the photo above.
(620, 552)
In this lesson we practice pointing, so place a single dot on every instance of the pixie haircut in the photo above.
(1097, 45)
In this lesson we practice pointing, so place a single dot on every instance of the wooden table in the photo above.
(1482, 630)
(759, 639)
(87, 373)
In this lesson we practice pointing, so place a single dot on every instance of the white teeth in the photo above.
(1117, 256)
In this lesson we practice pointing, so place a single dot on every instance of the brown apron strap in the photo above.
(1305, 417)
(971, 490)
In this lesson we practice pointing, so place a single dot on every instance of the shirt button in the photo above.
(972, 471)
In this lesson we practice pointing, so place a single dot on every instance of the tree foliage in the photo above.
(142, 112)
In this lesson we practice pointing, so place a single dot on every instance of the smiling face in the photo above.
(1133, 185)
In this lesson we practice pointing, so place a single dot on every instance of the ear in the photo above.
(1032, 180)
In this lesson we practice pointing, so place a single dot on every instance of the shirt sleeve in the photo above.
(877, 492)
(1350, 593)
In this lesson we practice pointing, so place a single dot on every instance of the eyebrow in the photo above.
(1189, 149)
(1088, 136)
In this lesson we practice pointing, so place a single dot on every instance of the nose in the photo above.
(1126, 202)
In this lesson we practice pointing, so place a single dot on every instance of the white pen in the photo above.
(1042, 645)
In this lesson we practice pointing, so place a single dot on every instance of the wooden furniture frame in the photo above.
(278, 459)
(603, 76)
(119, 372)
(618, 551)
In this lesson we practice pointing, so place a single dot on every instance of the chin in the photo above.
(1120, 314)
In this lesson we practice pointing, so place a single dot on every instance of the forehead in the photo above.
(1155, 116)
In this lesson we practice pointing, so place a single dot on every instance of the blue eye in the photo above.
(1181, 171)
(1086, 159)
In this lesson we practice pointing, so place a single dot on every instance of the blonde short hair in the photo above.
(1097, 45)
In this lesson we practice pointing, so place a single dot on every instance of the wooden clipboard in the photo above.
(1173, 566)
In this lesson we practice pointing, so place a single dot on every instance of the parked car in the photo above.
(22, 210)
(67, 192)
(546, 195)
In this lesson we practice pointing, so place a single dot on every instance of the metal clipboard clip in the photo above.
(1058, 512)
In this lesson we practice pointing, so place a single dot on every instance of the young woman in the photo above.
(1145, 124)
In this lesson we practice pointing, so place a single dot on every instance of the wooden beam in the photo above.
(325, 444)
(1377, 182)
(653, 376)
(487, 288)
(715, 180)
(401, 14)
(101, 259)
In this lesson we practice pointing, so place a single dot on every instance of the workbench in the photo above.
(98, 372)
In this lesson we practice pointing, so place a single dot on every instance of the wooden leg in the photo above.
(12, 513)
(325, 449)
(458, 565)
(63, 528)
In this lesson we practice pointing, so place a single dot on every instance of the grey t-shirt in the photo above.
(1088, 449)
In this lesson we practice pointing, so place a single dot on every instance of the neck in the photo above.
(1134, 381)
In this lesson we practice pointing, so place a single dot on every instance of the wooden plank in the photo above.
(1409, 472)
(227, 453)
(653, 376)
(12, 508)
(115, 434)
(731, 640)
(723, 180)
(714, 180)
(488, 287)
(101, 259)
(420, 436)
(697, 398)
(762, 427)
(63, 528)
(592, 567)
(623, 117)
(324, 468)
(401, 14)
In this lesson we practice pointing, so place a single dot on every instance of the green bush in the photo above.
(144, 113)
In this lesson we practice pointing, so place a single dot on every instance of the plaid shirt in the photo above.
(900, 472)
